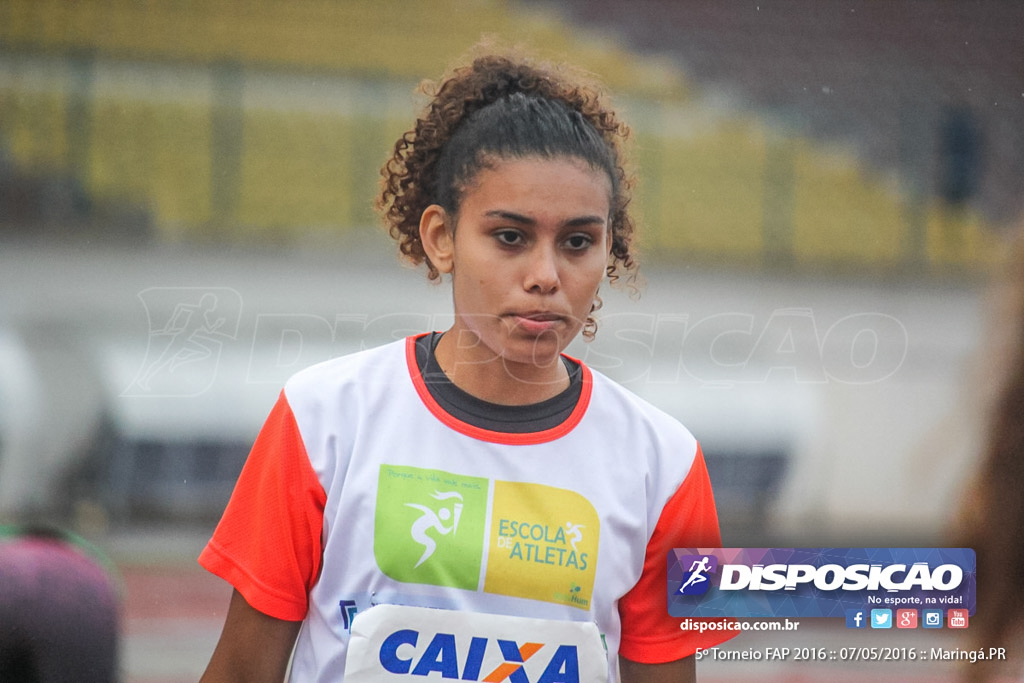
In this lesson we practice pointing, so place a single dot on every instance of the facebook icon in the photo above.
(856, 618)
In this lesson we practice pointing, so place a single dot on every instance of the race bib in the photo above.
(390, 643)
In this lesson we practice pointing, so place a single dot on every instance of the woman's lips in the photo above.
(536, 322)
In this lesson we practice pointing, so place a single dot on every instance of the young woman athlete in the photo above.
(478, 470)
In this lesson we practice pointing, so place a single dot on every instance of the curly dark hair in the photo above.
(504, 106)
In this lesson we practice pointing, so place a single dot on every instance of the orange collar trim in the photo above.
(527, 439)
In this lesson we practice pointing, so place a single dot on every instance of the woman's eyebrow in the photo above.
(514, 217)
(510, 216)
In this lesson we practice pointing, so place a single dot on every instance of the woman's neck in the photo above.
(493, 378)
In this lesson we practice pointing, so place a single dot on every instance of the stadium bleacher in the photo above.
(879, 79)
(265, 122)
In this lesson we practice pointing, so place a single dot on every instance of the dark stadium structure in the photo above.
(932, 89)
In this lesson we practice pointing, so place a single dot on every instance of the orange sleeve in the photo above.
(688, 520)
(268, 542)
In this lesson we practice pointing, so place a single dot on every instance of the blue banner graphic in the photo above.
(817, 582)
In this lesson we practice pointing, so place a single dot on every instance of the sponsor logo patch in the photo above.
(390, 643)
(441, 528)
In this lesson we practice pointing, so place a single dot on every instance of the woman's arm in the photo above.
(680, 671)
(253, 647)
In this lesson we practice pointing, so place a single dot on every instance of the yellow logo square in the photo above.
(543, 544)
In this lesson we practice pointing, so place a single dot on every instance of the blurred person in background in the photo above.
(992, 521)
(59, 609)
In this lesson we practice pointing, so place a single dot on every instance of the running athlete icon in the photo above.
(188, 333)
(436, 521)
(573, 531)
(697, 573)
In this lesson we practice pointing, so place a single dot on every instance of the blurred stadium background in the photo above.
(827, 189)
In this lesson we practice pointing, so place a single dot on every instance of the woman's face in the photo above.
(529, 249)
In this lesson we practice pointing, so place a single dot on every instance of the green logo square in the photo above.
(429, 526)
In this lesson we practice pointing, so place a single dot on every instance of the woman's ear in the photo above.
(437, 237)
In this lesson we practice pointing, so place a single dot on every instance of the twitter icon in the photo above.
(881, 618)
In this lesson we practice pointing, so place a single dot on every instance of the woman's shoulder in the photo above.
(613, 402)
(368, 367)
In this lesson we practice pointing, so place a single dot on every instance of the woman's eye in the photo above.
(508, 237)
(579, 241)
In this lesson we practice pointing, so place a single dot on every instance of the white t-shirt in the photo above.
(361, 490)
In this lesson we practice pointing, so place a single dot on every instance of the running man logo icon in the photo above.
(188, 328)
(695, 579)
(429, 526)
(436, 520)
(573, 534)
